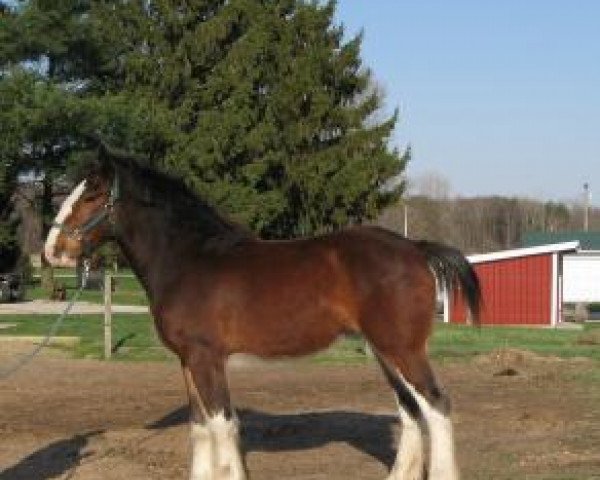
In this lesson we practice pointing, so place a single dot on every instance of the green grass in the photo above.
(128, 291)
(453, 341)
(456, 343)
(350, 349)
(136, 339)
(133, 335)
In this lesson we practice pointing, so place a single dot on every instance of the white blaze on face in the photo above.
(65, 210)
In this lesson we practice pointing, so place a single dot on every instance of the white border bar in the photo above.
(524, 252)
(554, 291)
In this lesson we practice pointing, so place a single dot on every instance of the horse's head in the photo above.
(85, 218)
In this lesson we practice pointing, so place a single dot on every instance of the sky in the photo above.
(496, 97)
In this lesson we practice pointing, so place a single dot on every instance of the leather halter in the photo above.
(102, 216)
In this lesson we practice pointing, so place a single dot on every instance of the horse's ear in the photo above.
(96, 142)
(110, 157)
(104, 154)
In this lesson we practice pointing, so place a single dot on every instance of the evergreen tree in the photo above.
(260, 105)
(272, 109)
(9, 245)
(9, 144)
(41, 47)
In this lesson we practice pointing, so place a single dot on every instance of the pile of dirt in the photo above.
(511, 362)
(513, 357)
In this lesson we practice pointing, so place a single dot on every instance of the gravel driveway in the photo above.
(50, 307)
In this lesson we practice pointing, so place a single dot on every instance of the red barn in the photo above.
(519, 287)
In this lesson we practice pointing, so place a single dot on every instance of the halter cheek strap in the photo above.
(100, 217)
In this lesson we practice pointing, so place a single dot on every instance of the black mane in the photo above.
(181, 209)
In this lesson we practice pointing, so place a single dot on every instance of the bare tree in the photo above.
(431, 184)
(480, 224)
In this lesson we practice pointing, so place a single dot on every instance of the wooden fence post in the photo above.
(107, 315)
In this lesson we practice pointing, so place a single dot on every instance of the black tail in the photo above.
(450, 266)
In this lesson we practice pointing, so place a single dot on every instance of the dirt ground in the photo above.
(517, 416)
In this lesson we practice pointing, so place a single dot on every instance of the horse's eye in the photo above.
(93, 189)
(92, 192)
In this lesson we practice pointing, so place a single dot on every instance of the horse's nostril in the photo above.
(54, 254)
(49, 254)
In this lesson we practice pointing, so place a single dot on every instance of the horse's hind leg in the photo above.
(409, 463)
(216, 453)
(424, 404)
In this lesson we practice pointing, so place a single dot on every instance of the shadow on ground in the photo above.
(55, 459)
(264, 432)
(260, 432)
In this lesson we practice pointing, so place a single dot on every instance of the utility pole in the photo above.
(405, 220)
(586, 206)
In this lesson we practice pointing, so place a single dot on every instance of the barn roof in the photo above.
(587, 240)
(525, 252)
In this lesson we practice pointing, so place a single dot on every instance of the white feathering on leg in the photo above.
(442, 464)
(215, 450)
(409, 459)
(229, 458)
(202, 452)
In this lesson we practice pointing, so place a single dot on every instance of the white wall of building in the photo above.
(581, 277)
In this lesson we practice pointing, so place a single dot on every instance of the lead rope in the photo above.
(25, 359)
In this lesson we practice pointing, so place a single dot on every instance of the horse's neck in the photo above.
(144, 243)
(156, 250)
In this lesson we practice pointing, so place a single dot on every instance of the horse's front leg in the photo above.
(214, 431)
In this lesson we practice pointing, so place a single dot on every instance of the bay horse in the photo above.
(214, 289)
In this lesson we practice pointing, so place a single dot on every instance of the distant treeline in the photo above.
(483, 224)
